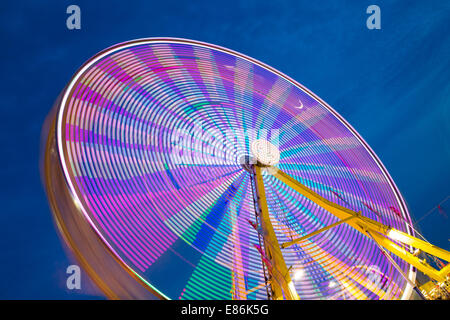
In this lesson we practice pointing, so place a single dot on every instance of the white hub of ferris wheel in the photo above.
(265, 152)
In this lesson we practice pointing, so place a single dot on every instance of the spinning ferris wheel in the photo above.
(186, 170)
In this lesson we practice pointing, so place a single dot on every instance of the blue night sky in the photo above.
(392, 85)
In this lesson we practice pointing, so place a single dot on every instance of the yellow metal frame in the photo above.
(385, 236)
(379, 232)
(280, 279)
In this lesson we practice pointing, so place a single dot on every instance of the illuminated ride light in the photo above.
(146, 149)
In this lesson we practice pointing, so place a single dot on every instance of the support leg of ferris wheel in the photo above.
(385, 236)
(382, 234)
(280, 280)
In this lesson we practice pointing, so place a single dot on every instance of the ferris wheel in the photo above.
(185, 170)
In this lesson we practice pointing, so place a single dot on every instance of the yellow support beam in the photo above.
(407, 256)
(312, 234)
(419, 244)
(445, 271)
(281, 282)
(366, 226)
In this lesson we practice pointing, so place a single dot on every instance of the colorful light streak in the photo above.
(184, 227)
